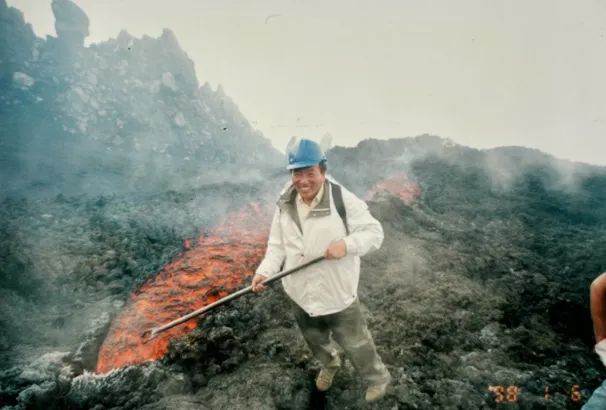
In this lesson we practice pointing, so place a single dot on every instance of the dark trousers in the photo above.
(347, 328)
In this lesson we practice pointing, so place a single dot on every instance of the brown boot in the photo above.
(324, 379)
(376, 392)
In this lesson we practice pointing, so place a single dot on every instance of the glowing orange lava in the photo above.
(215, 266)
(398, 185)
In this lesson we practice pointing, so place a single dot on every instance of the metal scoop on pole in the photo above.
(155, 331)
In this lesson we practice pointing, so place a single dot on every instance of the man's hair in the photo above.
(322, 164)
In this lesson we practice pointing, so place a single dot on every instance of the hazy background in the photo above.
(482, 73)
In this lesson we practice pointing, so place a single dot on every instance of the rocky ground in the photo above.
(477, 285)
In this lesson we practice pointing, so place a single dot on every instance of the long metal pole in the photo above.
(155, 331)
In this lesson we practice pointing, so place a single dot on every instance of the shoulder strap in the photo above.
(339, 204)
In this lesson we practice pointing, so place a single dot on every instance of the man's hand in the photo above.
(336, 250)
(257, 285)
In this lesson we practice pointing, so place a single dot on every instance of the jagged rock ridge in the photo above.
(127, 114)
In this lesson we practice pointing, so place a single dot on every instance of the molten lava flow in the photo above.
(398, 185)
(214, 267)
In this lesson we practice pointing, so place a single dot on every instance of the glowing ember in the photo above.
(217, 265)
(398, 185)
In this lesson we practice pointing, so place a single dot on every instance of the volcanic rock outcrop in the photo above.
(123, 115)
(71, 23)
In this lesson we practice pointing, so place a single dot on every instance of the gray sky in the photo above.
(483, 73)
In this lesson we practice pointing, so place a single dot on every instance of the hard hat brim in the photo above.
(301, 164)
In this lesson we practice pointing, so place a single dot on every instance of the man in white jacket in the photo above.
(308, 223)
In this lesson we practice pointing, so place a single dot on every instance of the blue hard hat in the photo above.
(304, 153)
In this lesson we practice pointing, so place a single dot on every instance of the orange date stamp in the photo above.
(510, 394)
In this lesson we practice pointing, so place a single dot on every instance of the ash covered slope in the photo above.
(123, 115)
(482, 281)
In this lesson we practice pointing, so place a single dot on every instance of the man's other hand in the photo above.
(257, 285)
(336, 250)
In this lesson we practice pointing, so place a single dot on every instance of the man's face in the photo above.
(308, 181)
